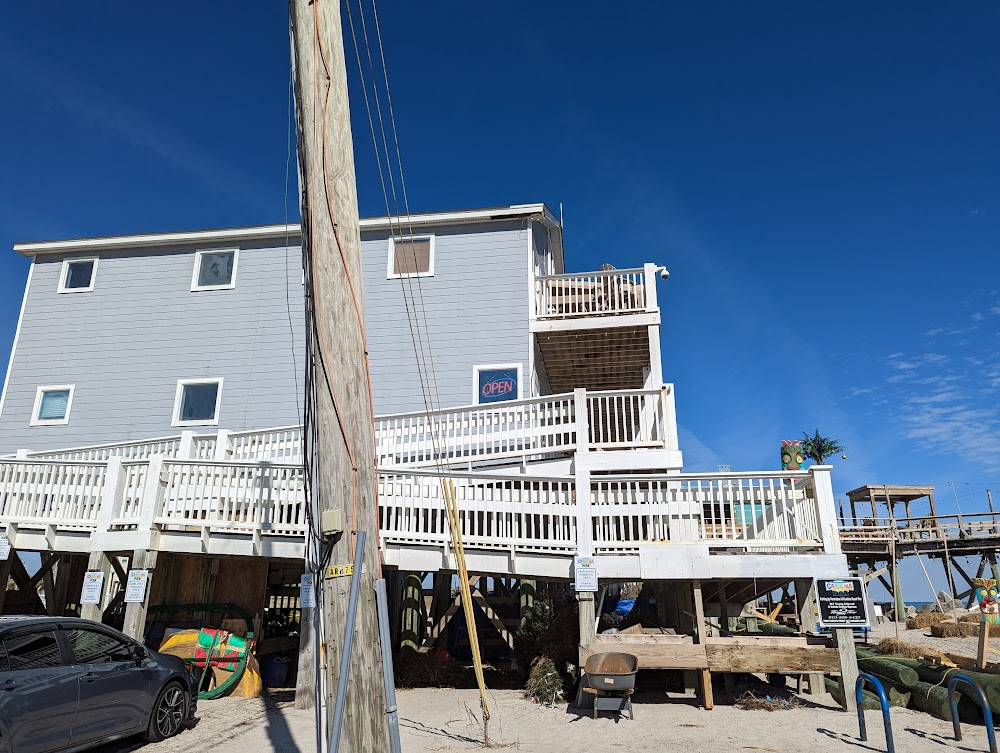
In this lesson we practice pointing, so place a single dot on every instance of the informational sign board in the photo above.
(93, 587)
(307, 591)
(586, 574)
(135, 588)
(497, 385)
(4, 547)
(842, 603)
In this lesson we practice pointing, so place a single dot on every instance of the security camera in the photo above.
(664, 274)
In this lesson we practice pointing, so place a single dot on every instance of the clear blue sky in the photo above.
(822, 180)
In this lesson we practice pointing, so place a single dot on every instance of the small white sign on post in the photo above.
(586, 574)
(307, 591)
(135, 589)
(4, 547)
(93, 587)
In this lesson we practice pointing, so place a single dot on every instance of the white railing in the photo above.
(772, 510)
(262, 496)
(619, 291)
(522, 428)
(67, 494)
(781, 511)
(137, 450)
(512, 513)
(282, 445)
(625, 419)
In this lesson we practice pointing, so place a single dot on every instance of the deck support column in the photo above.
(993, 567)
(5, 568)
(97, 562)
(897, 592)
(844, 638)
(588, 617)
(701, 631)
(135, 612)
(806, 597)
(526, 590)
(411, 634)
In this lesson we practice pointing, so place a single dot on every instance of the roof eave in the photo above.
(264, 232)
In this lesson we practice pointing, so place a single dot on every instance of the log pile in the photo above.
(923, 684)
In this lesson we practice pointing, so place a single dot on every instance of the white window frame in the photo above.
(181, 383)
(64, 274)
(390, 272)
(195, 287)
(35, 420)
(490, 366)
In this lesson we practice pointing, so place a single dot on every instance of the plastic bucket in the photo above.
(273, 672)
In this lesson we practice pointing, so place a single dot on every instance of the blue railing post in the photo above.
(983, 703)
(883, 701)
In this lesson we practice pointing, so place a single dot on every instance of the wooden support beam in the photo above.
(707, 696)
(97, 562)
(5, 568)
(869, 576)
(492, 616)
(135, 612)
(848, 660)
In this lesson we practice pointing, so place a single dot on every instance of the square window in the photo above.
(197, 402)
(411, 257)
(77, 275)
(214, 270)
(52, 405)
(494, 384)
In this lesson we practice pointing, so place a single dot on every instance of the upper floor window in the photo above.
(77, 275)
(52, 404)
(197, 402)
(214, 270)
(411, 257)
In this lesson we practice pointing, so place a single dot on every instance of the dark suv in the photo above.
(68, 684)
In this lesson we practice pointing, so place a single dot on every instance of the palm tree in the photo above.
(818, 447)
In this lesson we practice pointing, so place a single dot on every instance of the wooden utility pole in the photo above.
(341, 433)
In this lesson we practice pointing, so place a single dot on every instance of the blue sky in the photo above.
(821, 180)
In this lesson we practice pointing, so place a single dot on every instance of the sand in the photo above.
(440, 720)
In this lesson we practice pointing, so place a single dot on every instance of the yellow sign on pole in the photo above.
(339, 571)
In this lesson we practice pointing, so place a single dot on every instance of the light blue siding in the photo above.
(125, 345)
(476, 306)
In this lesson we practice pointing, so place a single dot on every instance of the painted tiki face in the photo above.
(987, 598)
(791, 455)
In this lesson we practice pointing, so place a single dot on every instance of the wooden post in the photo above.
(993, 516)
(727, 677)
(341, 429)
(97, 562)
(700, 632)
(844, 638)
(135, 612)
(984, 639)
(805, 596)
(897, 589)
(993, 567)
(5, 568)
(526, 593)
(588, 617)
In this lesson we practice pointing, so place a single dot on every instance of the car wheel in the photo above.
(169, 714)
